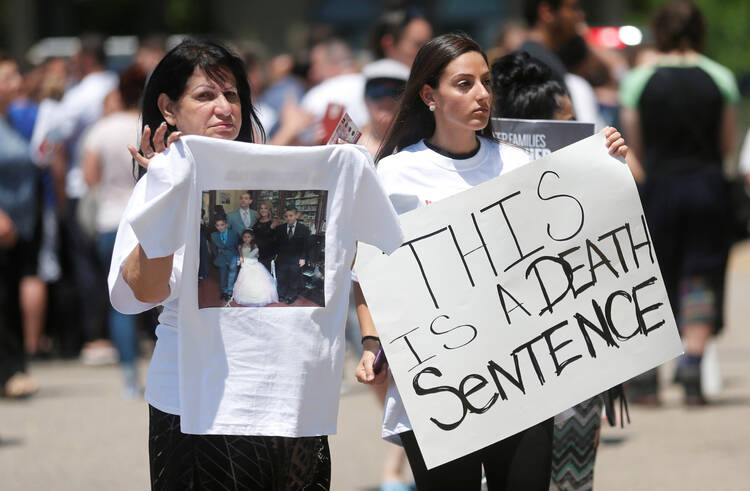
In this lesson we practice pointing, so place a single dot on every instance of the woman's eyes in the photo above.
(466, 85)
(209, 95)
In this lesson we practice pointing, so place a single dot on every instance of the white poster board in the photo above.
(520, 298)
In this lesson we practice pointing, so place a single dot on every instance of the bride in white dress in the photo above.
(255, 287)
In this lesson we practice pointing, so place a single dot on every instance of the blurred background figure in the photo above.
(511, 35)
(107, 169)
(552, 23)
(385, 80)
(399, 34)
(150, 52)
(19, 237)
(43, 81)
(335, 78)
(81, 106)
(679, 116)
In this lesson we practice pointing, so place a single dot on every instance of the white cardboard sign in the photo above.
(520, 298)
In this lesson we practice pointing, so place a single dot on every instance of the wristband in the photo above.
(365, 338)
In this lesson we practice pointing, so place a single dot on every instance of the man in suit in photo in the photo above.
(294, 242)
(225, 241)
(243, 217)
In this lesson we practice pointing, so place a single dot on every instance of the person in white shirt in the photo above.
(444, 145)
(336, 79)
(199, 88)
(107, 168)
(65, 128)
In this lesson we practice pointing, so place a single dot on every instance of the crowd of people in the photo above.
(77, 137)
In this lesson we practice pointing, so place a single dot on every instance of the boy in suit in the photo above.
(294, 240)
(225, 242)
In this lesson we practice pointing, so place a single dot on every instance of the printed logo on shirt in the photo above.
(277, 261)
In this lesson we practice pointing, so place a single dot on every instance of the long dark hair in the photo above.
(414, 121)
(173, 71)
(523, 87)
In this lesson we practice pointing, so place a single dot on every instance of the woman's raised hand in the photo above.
(615, 142)
(616, 146)
(147, 150)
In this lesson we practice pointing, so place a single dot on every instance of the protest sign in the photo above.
(519, 298)
(540, 137)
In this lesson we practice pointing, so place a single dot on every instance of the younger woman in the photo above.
(254, 287)
(445, 146)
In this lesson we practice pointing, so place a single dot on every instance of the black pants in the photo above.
(12, 354)
(289, 278)
(196, 462)
(81, 263)
(522, 462)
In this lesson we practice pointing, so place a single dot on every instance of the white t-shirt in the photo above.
(347, 90)
(744, 160)
(250, 370)
(80, 107)
(583, 98)
(109, 138)
(417, 176)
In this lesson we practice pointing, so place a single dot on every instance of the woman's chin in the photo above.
(223, 133)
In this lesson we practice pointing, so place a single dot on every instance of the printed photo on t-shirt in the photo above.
(262, 248)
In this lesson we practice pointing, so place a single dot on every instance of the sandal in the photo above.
(20, 385)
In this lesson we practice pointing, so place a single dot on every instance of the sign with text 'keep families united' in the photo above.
(520, 298)
(540, 137)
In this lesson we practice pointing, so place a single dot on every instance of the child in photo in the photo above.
(225, 241)
(255, 287)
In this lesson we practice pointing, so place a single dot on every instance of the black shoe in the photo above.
(690, 378)
(289, 300)
(644, 389)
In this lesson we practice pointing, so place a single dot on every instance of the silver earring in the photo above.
(432, 108)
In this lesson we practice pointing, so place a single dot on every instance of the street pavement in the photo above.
(77, 433)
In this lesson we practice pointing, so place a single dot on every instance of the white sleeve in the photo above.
(120, 294)
(745, 155)
(374, 219)
(160, 222)
(583, 98)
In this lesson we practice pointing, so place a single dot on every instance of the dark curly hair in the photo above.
(523, 87)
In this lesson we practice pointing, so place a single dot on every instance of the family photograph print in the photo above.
(262, 248)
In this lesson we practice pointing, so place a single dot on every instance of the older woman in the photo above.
(199, 88)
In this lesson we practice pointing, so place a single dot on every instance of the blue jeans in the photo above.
(121, 326)
(228, 274)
